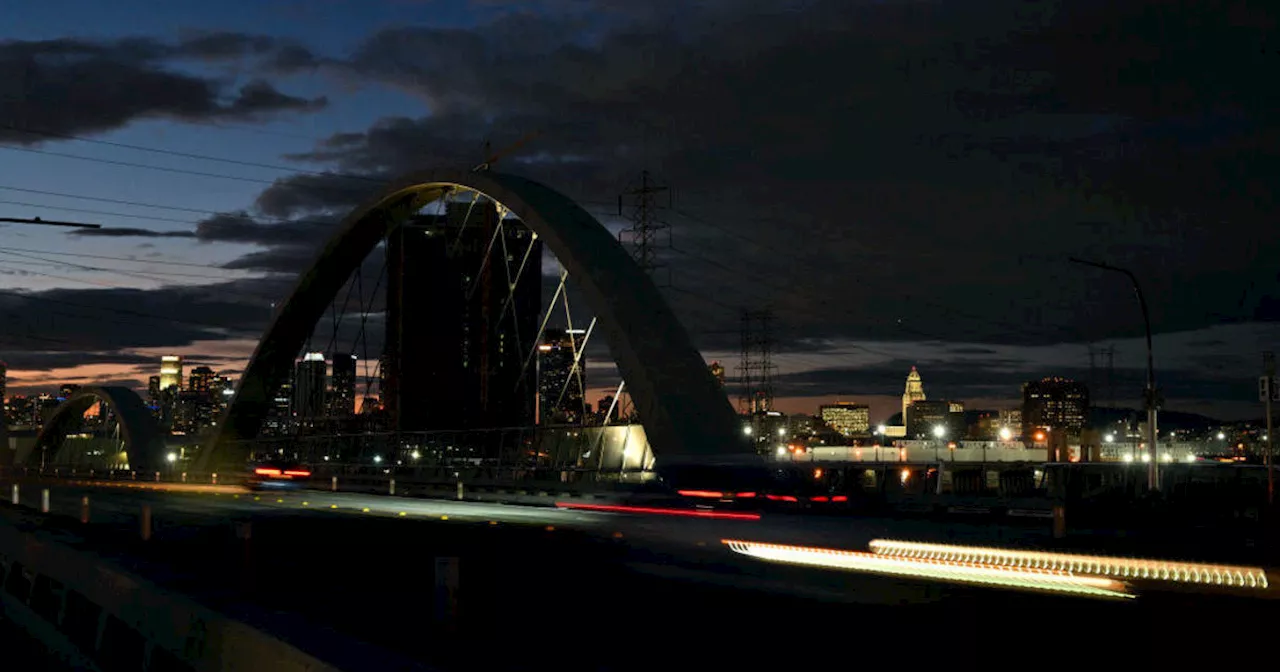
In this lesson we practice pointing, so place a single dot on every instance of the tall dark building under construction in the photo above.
(457, 339)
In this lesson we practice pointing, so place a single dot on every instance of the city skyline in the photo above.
(325, 91)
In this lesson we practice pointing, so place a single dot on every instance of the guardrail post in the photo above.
(459, 490)
(84, 509)
(144, 523)
(44, 501)
(333, 483)
(184, 477)
(157, 477)
(393, 487)
(15, 494)
(215, 479)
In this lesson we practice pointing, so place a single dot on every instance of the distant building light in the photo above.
(228, 392)
(544, 348)
(313, 357)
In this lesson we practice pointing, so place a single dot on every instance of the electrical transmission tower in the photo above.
(755, 369)
(648, 233)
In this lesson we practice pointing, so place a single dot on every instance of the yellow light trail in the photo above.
(1120, 568)
(956, 572)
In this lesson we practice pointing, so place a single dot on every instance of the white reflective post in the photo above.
(44, 501)
(393, 487)
(333, 483)
(84, 509)
(15, 494)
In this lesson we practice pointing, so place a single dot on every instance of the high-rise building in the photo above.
(309, 386)
(342, 386)
(457, 337)
(170, 372)
(717, 372)
(561, 384)
(1011, 419)
(1055, 404)
(153, 391)
(913, 393)
(279, 418)
(201, 381)
(925, 417)
(847, 418)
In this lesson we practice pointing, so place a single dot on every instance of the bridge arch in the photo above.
(142, 438)
(683, 408)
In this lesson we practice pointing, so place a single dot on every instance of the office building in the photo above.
(309, 386)
(925, 417)
(1011, 419)
(847, 418)
(342, 386)
(170, 372)
(913, 393)
(457, 339)
(1055, 404)
(561, 383)
(201, 381)
(717, 372)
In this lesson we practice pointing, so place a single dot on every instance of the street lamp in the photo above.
(1006, 434)
(1110, 438)
(1221, 436)
(880, 430)
(1153, 468)
(939, 431)
(782, 431)
(171, 458)
(747, 430)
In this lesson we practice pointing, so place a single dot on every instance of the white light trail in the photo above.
(956, 572)
(1101, 565)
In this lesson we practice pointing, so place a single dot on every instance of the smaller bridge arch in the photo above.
(142, 438)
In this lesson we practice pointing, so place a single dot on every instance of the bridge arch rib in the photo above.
(684, 411)
(142, 438)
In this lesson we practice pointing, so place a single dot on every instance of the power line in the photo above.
(110, 258)
(184, 155)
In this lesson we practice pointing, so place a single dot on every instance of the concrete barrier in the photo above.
(94, 615)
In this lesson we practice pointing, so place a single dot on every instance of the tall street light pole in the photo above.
(1152, 400)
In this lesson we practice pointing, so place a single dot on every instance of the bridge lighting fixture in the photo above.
(1191, 459)
(1221, 436)
(377, 459)
(782, 450)
(1146, 457)
(1128, 457)
(939, 431)
(1006, 434)
(747, 430)
(415, 455)
(880, 429)
(1110, 438)
(171, 458)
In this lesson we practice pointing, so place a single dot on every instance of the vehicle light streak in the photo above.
(1101, 565)
(710, 494)
(619, 508)
(262, 471)
(957, 572)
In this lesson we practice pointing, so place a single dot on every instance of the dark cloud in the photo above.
(921, 180)
(131, 232)
(54, 88)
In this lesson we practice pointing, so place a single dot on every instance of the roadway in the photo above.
(329, 570)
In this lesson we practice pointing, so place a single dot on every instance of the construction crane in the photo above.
(493, 158)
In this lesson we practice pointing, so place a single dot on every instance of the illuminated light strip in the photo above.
(958, 572)
(1121, 568)
(617, 508)
(700, 493)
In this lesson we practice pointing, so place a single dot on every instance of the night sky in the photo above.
(902, 182)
